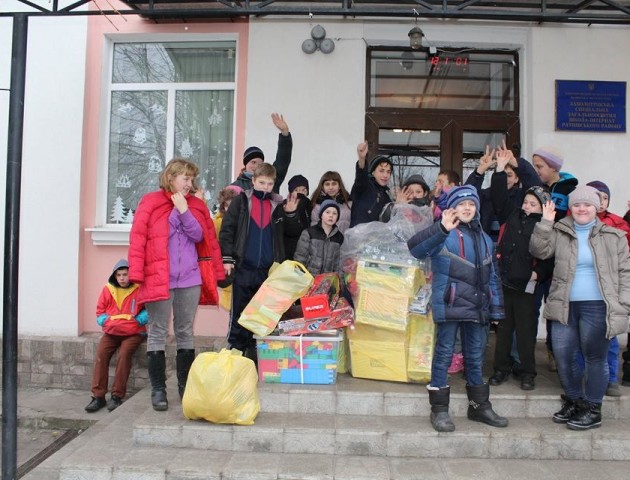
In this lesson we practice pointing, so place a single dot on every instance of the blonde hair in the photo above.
(175, 167)
(265, 170)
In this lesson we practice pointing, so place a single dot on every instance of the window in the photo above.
(448, 80)
(168, 100)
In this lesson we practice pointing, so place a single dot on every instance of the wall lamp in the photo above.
(415, 38)
(318, 41)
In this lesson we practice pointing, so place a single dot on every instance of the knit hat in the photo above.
(251, 153)
(540, 193)
(551, 156)
(327, 204)
(376, 161)
(458, 194)
(298, 181)
(600, 186)
(417, 180)
(584, 194)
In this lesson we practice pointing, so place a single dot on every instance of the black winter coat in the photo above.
(515, 262)
(368, 198)
(318, 252)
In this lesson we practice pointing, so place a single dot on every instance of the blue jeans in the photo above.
(612, 359)
(474, 337)
(586, 332)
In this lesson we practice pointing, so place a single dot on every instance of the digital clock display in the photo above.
(446, 61)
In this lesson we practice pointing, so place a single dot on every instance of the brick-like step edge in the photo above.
(387, 437)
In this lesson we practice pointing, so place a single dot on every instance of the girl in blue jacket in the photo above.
(467, 296)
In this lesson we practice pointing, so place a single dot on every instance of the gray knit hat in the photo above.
(585, 194)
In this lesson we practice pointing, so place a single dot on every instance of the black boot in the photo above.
(440, 419)
(157, 374)
(567, 412)
(480, 408)
(589, 416)
(625, 380)
(183, 361)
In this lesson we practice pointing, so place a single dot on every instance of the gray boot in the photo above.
(480, 408)
(440, 419)
(157, 374)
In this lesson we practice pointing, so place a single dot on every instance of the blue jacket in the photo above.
(465, 287)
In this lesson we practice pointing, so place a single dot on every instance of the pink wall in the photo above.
(95, 262)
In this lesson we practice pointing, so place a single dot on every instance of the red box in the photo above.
(293, 324)
(322, 297)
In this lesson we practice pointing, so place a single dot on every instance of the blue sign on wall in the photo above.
(585, 106)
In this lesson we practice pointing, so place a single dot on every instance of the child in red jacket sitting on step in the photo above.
(123, 320)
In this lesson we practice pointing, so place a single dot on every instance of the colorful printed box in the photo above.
(389, 277)
(322, 297)
(304, 359)
(292, 322)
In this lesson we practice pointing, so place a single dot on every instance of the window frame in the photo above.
(103, 232)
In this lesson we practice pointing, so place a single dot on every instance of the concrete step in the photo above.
(355, 396)
(135, 442)
(386, 436)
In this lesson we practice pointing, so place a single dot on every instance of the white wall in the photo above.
(51, 168)
(323, 96)
(581, 53)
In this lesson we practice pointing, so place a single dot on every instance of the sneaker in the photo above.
(613, 390)
(114, 403)
(498, 378)
(457, 364)
(95, 405)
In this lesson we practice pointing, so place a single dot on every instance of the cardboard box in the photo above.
(421, 340)
(390, 277)
(378, 354)
(303, 359)
(321, 298)
(293, 323)
(377, 309)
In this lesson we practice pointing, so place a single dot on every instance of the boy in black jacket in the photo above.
(520, 273)
(370, 192)
(251, 239)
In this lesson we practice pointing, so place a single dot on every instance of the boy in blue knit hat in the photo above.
(466, 295)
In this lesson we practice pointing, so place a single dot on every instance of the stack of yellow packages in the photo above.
(391, 340)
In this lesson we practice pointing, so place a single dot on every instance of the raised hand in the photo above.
(486, 161)
(280, 123)
(402, 196)
(449, 219)
(362, 151)
(291, 204)
(504, 157)
(549, 211)
(512, 160)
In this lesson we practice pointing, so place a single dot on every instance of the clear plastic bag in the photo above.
(222, 388)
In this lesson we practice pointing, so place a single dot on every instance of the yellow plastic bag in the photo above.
(285, 284)
(222, 388)
(225, 298)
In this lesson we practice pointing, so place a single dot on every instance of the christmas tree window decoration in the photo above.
(129, 216)
(123, 181)
(186, 150)
(118, 211)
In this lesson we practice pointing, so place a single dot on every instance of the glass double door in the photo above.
(427, 144)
